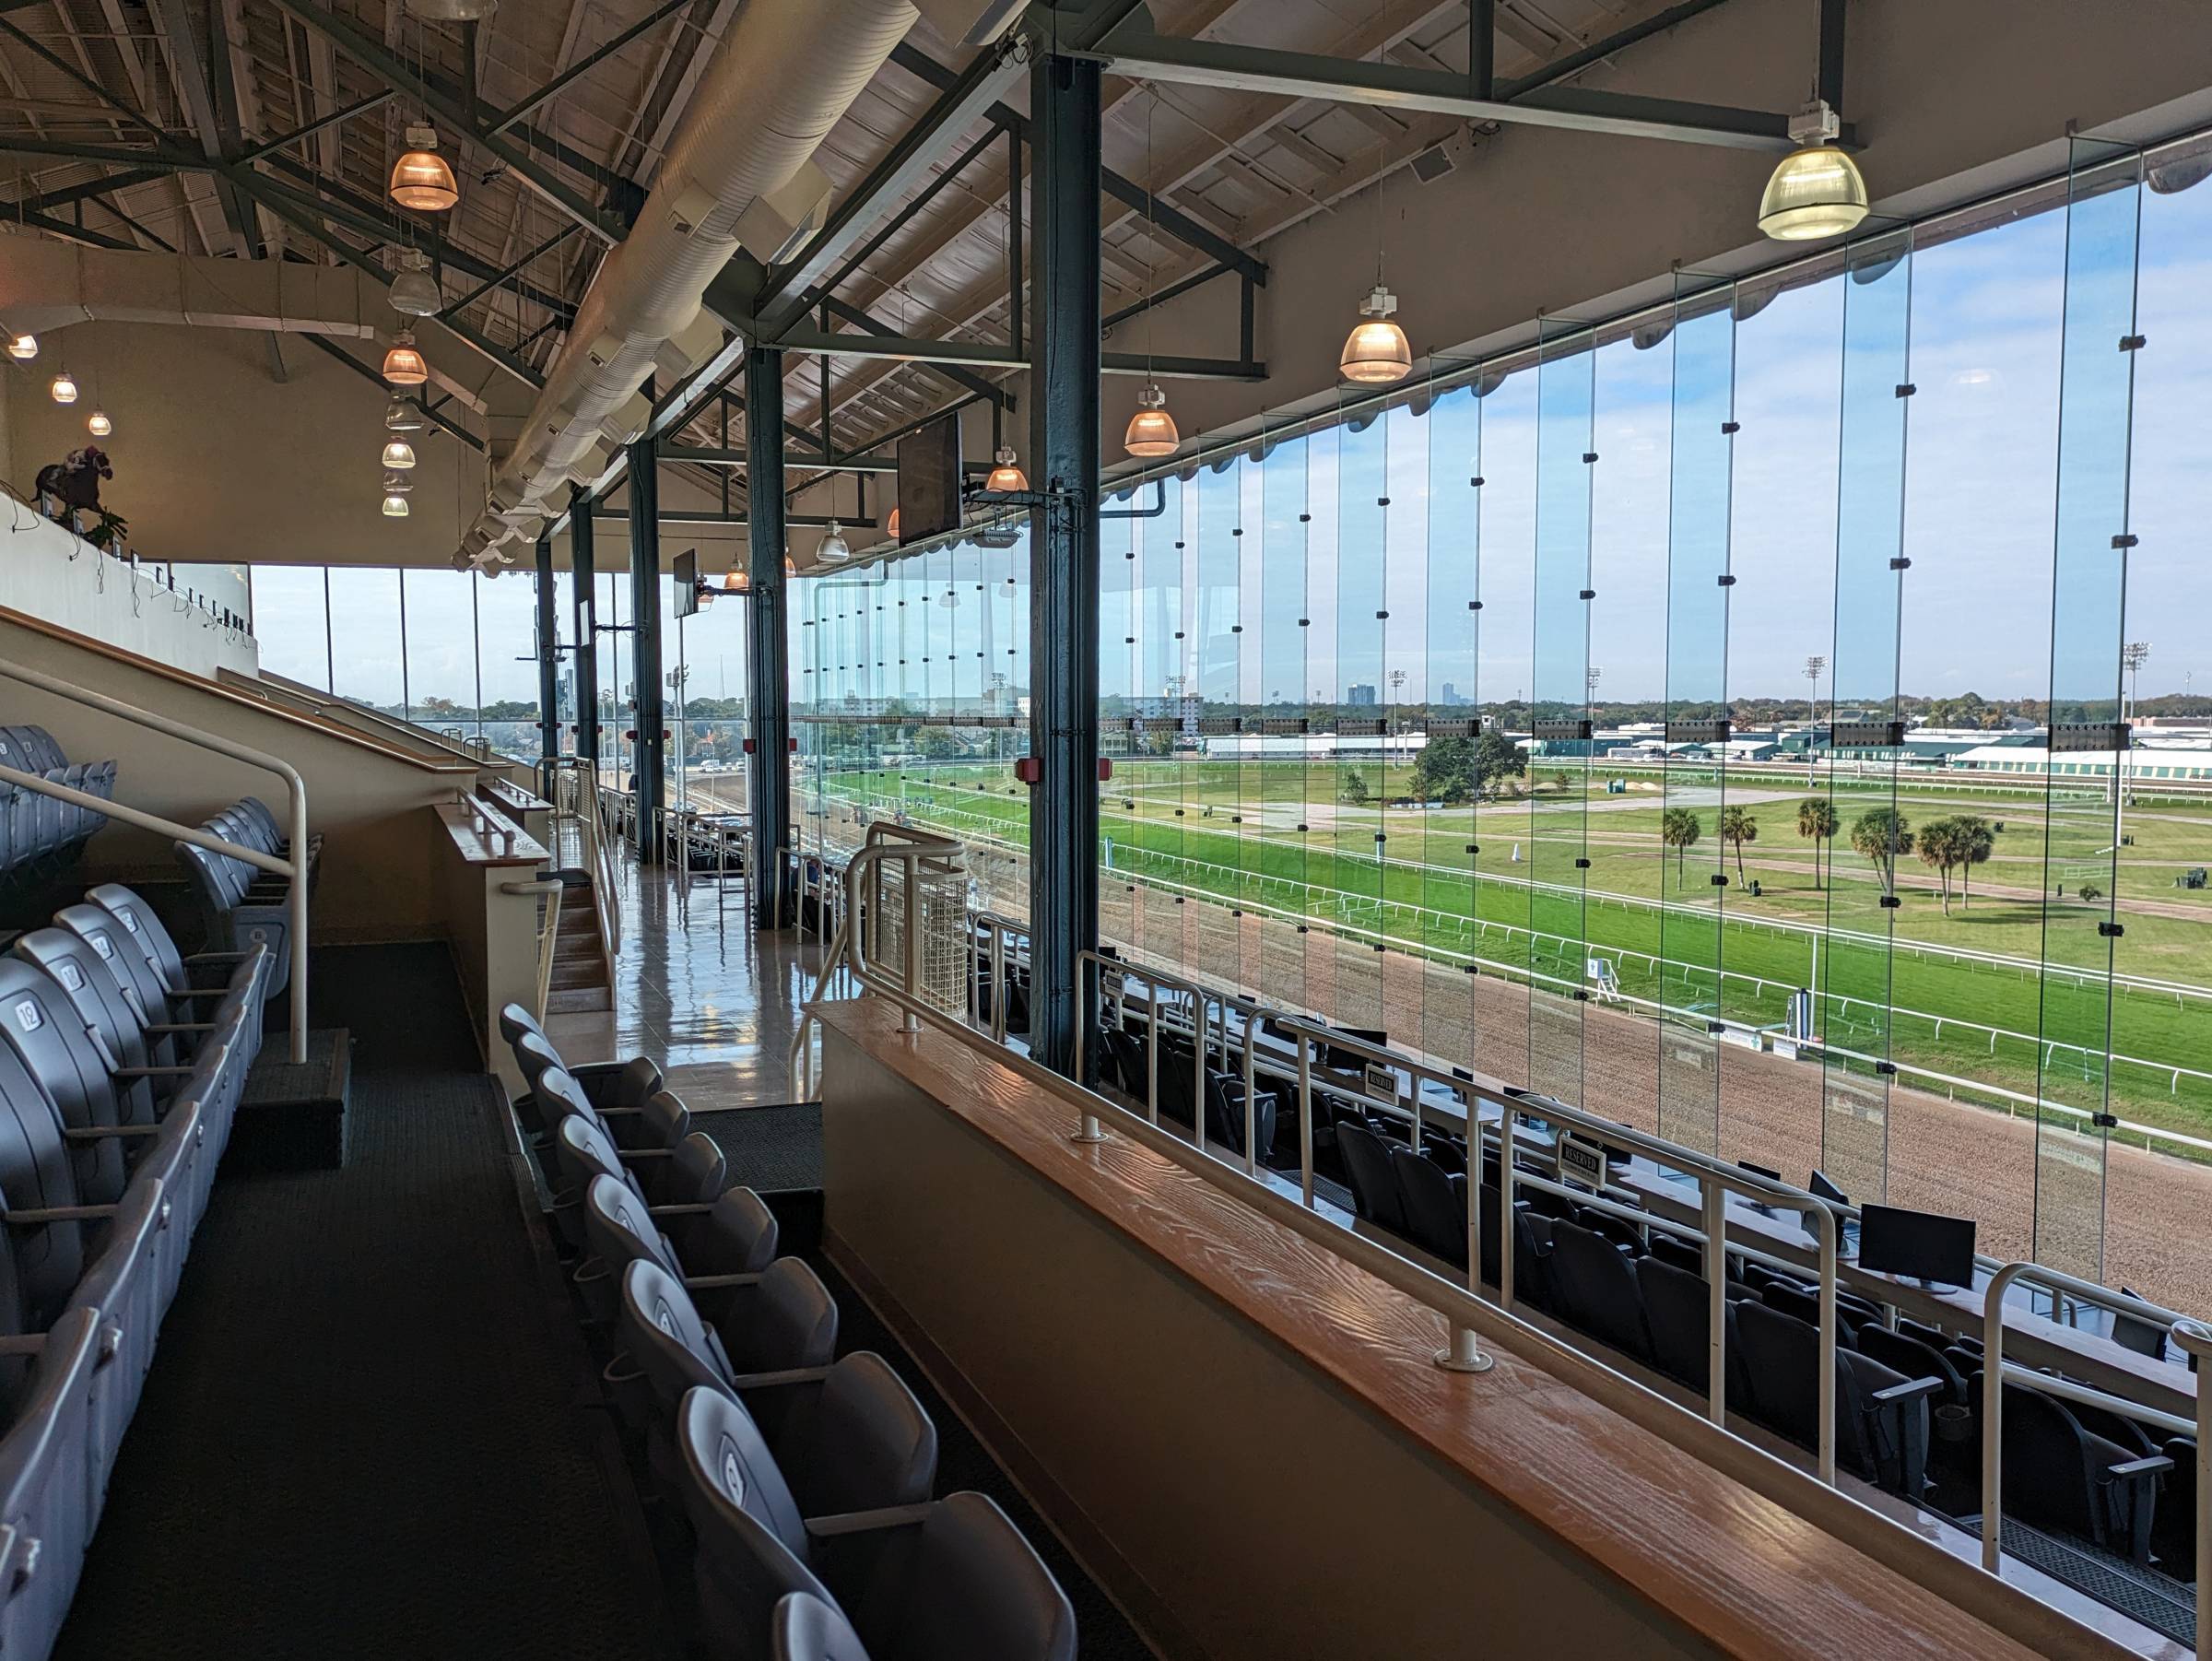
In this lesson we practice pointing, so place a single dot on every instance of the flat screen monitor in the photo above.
(1824, 1189)
(929, 481)
(686, 582)
(1919, 1245)
(1772, 1176)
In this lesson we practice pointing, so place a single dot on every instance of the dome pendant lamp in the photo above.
(1005, 476)
(403, 364)
(420, 178)
(396, 507)
(1151, 429)
(1816, 190)
(97, 424)
(64, 389)
(414, 292)
(399, 454)
(402, 417)
(1375, 353)
(833, 548)
(22, 347)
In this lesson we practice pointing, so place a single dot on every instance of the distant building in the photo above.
(1361, 694)
(1451, 699)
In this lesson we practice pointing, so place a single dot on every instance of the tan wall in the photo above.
(378, 879)
(1263, 1513)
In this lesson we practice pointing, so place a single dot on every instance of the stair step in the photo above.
(578, 1001)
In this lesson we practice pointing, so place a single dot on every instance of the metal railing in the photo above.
(1904, 1550)
(294, 869)
(548, 891)
(571, 786)
(874, 917)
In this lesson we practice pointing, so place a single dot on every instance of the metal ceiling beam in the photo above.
(88, 191)
(361, 106)
(506, 274)
(198, 98)
(448, 107)
(521, 110)
(964, 100)
(1239, 67)
(977, 354)
(163, 144)
(715, 456)
(963, 379)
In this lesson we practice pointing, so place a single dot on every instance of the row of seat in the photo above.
(804, 1477)
(40, 834)
(122, 1065)
(2090, 1475)
(241, 904)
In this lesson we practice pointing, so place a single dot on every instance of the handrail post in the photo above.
(2196, 1339)
(1824, 1232)
(1712, 1201)
(1508, 1217)
(1305, 1120)
(1088, 1128)
(1252, 1112)
(1992, 1414)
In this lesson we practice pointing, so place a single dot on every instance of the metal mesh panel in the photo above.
(938, 909)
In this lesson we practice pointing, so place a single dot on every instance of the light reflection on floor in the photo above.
(698, 991)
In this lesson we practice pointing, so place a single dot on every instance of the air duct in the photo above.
(737, 174)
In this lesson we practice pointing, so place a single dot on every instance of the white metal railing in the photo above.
(865, 919)
(1923, 1561)
(579, 805)
(548, 891)
(294, 869)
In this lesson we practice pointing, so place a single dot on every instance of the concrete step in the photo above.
(578, 1001)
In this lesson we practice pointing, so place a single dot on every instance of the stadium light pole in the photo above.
(1813, 668)
(2133, 656)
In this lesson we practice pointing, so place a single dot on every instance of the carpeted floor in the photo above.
(772, 1149)
(360, 1437)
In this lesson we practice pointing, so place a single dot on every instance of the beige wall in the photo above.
(379, 873)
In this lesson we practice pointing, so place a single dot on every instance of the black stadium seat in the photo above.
(39, 833)
(1434, 1204)
(1374, 1185)
(1881, 1416)
(1595, 1289)
(2060, 1477)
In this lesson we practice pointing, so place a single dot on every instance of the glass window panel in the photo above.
(291, 622)
(367, 658)
(1354, 812)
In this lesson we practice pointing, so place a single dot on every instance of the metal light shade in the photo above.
(1006, 475)
(22, 347)
(790, 566)
(1375, 353)
(403, 416)
(451, 11)
(399, 453)
(415, 293)
(97, 424)
(403, 364)
(890, 525)
(833, 547)
(1151, 429)
(396, 507)
(398, 483)
(64, 388)
(1816, 191)
(420, 179)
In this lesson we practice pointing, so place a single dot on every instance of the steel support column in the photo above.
(549, 656)
(647, 750)
(767, 686)
(584, 582)
(1064, 548)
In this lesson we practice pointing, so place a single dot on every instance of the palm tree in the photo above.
(1880, 834)
(1817, 819)
(1977, 842)
(1678, 829)
(1939, 850)
(1737, 827)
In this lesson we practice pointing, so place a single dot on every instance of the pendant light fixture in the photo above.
(22, 347)
(1375, 353)
(398, 484)
(414, 292)
(890, 525)
(1151, 430)
(403, 364)
(64, 388)
(1005, 476)
(97, 424)
(402, 416)
(420, 178)
(399, 453)
(1816, 190)
(396, 507)
(833, 548)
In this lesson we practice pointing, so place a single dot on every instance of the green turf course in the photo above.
(1230, 830)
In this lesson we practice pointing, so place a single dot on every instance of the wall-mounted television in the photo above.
(930, 474)
(686, 582)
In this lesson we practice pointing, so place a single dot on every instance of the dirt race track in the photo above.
(2153, 1212)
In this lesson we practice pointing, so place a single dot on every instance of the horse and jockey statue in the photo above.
(71, 487)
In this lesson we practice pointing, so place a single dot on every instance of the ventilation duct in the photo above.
(737, 174)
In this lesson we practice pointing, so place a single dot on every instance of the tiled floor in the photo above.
(698, 991)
